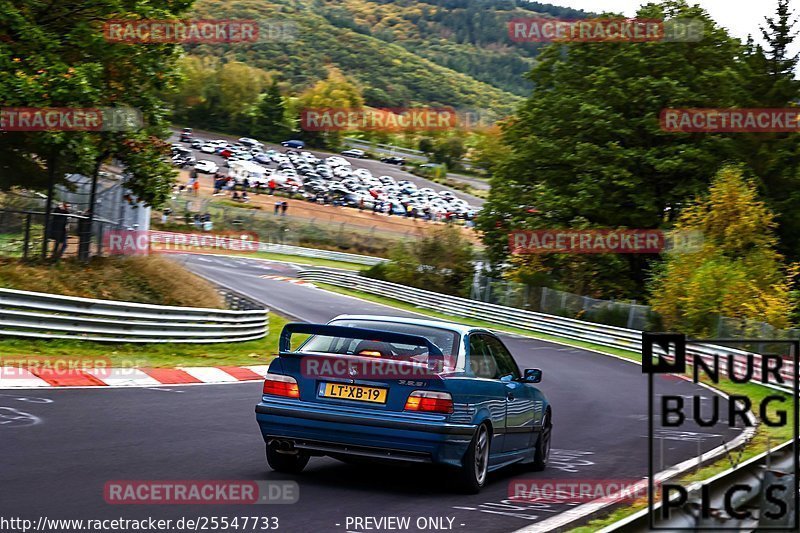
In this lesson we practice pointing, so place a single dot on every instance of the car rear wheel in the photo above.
(287, 462)
(543, 445)
(475, 466)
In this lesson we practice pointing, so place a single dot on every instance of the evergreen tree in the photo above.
(775, 157)
(270, 117)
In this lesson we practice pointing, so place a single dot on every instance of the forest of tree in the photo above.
(588, 151)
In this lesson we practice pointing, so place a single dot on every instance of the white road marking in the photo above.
(122, 377)
(261, 370)
(209, 374)
(19, 378)
(10, 417)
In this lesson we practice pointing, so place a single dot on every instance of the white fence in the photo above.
(568, 328)
(48, 316)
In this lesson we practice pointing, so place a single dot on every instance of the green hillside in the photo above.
(401, 53)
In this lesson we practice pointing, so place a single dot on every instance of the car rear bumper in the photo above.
(357, 432)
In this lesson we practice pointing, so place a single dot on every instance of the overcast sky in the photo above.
(740, 17)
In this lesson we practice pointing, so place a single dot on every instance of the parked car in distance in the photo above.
(250, 143)
(208, 148)
(293, 143)
(354, 152)
(206, 167)
(336, 161)
(394, 160)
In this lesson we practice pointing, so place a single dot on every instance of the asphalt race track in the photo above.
(83, 438)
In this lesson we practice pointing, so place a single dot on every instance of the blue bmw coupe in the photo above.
(402, 389)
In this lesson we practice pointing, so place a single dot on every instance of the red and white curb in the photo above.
(20, 378)
(290, 280)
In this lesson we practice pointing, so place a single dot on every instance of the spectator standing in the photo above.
(277, 206)
(59, 229)
(284, 207)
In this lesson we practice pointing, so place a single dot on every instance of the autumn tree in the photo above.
(735, 273)
(219, 95)
(334, 92)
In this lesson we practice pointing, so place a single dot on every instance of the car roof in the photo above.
(460, 328)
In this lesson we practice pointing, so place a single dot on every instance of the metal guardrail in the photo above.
(48, 316)
(238, 301)
(765, 469)
(320, 254)
(569, 328)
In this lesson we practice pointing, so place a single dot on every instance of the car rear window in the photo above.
(444, 339)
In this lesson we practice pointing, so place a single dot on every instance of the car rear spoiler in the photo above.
(285, 347)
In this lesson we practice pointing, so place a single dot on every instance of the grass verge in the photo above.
(763, 437)
(256, 352)
(149, 280)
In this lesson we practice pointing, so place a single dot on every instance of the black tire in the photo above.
(475, 466)
(542, 449)
(286, 462)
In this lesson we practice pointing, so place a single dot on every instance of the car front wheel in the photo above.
(287, 462)
(475, 466)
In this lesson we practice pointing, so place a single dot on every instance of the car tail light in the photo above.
(280, 385)
(430, 402)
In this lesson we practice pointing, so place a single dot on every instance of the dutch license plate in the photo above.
(358, 393)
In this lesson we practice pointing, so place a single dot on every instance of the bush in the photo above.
(440, 262)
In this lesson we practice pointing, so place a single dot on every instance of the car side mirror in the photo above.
(532, 375)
